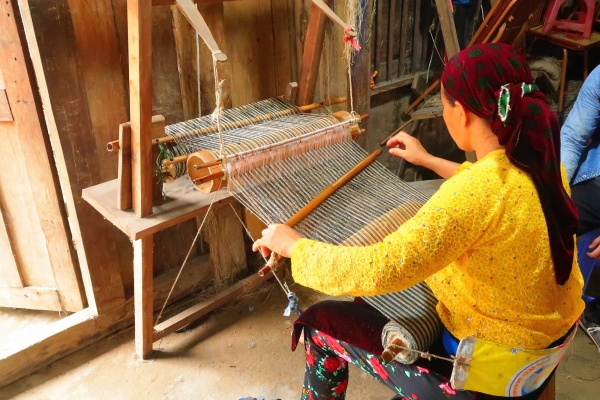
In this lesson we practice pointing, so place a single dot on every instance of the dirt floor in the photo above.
(240, 351)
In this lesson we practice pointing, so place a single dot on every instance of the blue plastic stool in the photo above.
(587, 264)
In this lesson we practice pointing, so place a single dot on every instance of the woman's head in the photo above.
(475, 76)
(493, 82)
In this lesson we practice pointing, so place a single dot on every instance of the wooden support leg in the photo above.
(311, 57)
(563, 78)
(142, 275)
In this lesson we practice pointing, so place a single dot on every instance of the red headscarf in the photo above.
(493, 81)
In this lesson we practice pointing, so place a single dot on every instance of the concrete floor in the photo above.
(243, 350)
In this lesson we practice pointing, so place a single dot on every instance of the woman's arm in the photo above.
(443, 230)
(583, 121)
(409, 148)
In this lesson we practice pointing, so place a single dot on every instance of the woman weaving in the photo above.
(495, 244)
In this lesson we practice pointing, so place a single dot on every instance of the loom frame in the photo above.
(136, 160)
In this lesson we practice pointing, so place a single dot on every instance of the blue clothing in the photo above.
(580, 134)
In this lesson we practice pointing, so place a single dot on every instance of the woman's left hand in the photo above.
(278, 238)
(595, 249)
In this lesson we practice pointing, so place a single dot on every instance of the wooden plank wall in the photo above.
(83, 50)
(402, 43)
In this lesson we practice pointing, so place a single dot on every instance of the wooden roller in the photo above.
(395, 348)
(205, 171)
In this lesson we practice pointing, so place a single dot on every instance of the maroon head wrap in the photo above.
(493, 81)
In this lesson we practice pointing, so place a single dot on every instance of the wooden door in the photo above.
(38, 267)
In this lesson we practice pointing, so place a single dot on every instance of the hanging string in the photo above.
(433, 39)
(292, 297)
(354, 14)
(187, 255)
(218, 106)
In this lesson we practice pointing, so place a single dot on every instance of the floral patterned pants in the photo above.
(326, 374)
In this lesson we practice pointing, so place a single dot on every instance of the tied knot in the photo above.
(350, 37)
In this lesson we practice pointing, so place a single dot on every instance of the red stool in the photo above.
(583, 19)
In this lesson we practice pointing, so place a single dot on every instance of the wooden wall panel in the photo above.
(249, 34)
(186, 42)
(65, 80)
(166, 91)
(98, 54)
(33, 207)
(284, 44)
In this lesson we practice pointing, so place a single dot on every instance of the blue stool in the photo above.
(589, 266)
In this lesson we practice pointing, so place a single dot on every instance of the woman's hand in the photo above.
(277, 238)
(405, 146)
(595, 249)
(408, 147)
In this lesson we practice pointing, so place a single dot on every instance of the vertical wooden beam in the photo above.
(143, 287)
(139, 33)
(418, 44)
(311, 57)
(448, 28)
(361, 69)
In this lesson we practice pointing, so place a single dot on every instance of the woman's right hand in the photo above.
(409, 148)
(594, 249)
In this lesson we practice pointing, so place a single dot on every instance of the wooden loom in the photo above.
(135, 213)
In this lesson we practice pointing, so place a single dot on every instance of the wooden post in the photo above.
(139, 32)
(311, 57)
(143, 296)
(361, 74)
(448, 28)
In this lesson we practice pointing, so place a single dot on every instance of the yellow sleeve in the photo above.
(442, 231)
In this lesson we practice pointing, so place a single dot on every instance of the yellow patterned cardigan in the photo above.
(480, 243)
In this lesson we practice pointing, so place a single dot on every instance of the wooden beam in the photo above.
(214, 13)
(172, 2)
(195, 18)
(311, 57)
(192, 314)
(124, 177)
(361, 71)
(31, 297)
(139, 28)
(448, 28)
(143, 286)
(124, 194)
